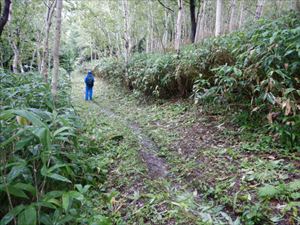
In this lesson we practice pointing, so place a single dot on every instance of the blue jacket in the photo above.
(89, 76)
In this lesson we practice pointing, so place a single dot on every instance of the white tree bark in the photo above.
(166, 28)
(126, 38)
(56, 48)
(218, 27)
(259, 8)
(16, 60)
(178, 26)
(241, 19)
(16, 50)
(200, 24)
(232, 21)
(150, 35)
(45, 54)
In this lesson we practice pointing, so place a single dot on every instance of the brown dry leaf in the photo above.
(288, 107)
(271, 84)
(270, 118)
(255, 109)
(271, 157)
(278, 100)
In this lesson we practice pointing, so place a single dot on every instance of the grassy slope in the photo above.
(207, 157)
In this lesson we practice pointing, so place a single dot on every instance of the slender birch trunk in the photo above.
(126, 39)
(218, 28)
(232, 16)
(150, 41)
(39, 61)
(45, 53)
(259, 8)
(200, 23)
(21, 66)
(15, 47)
(241, 19)
(178, 26)
(33, 58)
(56, 47)
(166, 30)
(16, 60)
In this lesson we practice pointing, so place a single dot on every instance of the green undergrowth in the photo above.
(46, 165)
(235, 176)
(137, 198)
(251, 73)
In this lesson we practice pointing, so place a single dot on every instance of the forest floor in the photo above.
(172, 163)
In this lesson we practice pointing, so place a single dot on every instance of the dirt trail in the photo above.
(157, 167)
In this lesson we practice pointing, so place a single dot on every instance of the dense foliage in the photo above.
(258, 67)
(44, 176)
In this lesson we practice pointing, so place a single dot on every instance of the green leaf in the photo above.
(11, 214)
(55, 133)
(15, 191)
(23, 143)
(294, 186)
(51, 169)
(267, 191)
(56, 176)
(33, 118)
(295, 195)
(66, 201)
(43, 134)
(16, 171)
(76, 195)
(28, 216)
(26, 187)
(289, 90)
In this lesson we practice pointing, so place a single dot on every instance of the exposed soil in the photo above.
(203, 134)
(157, 167)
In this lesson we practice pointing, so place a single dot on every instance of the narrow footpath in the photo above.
(167, 163)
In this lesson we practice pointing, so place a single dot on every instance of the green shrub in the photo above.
(41, 168)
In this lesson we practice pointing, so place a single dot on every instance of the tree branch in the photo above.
(166, 7)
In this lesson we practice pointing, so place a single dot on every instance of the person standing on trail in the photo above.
(89, 84)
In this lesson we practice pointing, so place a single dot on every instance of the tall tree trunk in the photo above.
(200, 23)
(232, 16)
(126, 39)
(15, 45)
(178, 26)
(32, 59)
(45, 54)
(218, 27)
(259, 8)
(150, 37)
(241, 19)
(152, 41)
(16, 60)
(5, 15)
(166, 28)
(39, 61)
(21, 66)
(56, 48)
(298, 5)
(193, 20)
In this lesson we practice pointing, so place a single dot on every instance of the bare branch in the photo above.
(166, 7)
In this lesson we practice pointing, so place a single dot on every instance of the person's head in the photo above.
(89, 72)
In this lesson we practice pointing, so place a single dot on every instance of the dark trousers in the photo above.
(88, 93)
